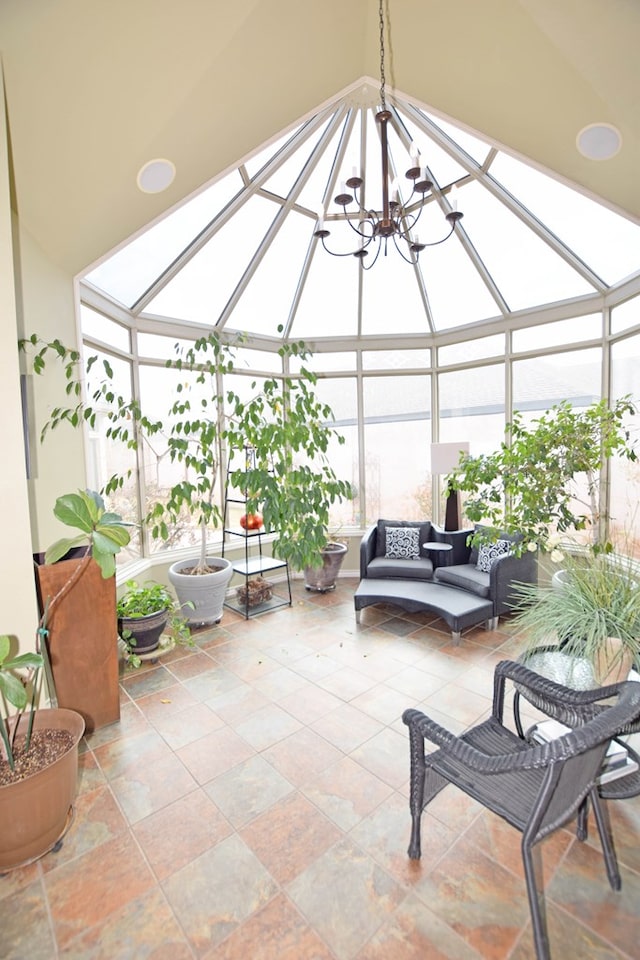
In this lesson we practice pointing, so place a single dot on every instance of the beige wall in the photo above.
(18, 616)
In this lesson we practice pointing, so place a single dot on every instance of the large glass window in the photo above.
(624, 495)
(397, 436)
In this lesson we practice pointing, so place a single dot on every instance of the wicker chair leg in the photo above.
(582, 826)
(416, 795)
(532, 861)
(601, 812)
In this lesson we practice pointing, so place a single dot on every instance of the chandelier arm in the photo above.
(404, 257)
(348, 253)
(366, 236)
(434, 243)
(368, 267)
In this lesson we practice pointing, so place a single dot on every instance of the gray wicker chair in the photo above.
(537, 788)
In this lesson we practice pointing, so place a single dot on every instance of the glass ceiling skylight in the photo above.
(241, 254)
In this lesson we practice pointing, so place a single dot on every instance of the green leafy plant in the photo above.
(598, 598)
(14, 691)
(142, 600)
(528, 485)
(291, 481)
(102, 532)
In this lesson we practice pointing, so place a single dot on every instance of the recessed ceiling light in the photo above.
(599, 141)
(155, 176)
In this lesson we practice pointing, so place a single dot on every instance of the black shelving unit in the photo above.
(254, 563)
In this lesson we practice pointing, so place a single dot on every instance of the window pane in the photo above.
(509, 249)
(555, 334)
(158, 390)
(201, 290)
(541, 382)
(106, 457)
(606, 241)
(397, 415)
(130, 271)
(97, 326)
(625, 475)
(625, 315)
(472, 350)
(396, 359)
(340, 394)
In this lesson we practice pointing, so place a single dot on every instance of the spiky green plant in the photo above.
(599, 599)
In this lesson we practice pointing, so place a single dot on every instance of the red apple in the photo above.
(251, 521)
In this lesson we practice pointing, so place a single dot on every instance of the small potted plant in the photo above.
(144, 612)
(38, 761)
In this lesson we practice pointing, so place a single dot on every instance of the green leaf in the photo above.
(14, 690)
(73, 510)
(58, 549)
(106, 562)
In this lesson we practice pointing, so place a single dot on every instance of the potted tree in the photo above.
(291, 482)
(38, 761)
(77, 597)
(144, 612)
(528, 486)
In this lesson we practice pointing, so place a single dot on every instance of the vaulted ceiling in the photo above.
(94, 90)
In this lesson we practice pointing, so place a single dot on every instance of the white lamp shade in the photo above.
(445, 456)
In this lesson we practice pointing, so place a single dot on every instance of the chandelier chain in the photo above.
(382, 74)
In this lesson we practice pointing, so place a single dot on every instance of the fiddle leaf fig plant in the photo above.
(528, 486)
(103, 532)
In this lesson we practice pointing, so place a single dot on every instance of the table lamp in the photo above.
(445, 458)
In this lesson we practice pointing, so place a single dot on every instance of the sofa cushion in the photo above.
(383, 569)
(403, 543)
(423, 527)
(488, 553)
(466, 576)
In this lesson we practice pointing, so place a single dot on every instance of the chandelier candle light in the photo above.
(395, 220)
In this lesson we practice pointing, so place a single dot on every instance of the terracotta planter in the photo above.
(146, 631)
(612, 662)
(201, 596)
(35, 812)
(324, 578)
(83, 641)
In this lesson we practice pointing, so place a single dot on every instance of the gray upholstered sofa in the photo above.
(463, 584)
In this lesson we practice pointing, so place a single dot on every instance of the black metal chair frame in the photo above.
(537, 788)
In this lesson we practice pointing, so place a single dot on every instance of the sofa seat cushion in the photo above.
(466, 576)
(382, 567)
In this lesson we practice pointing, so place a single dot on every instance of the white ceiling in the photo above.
(94, 90)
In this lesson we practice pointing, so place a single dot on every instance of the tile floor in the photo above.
(252, 803)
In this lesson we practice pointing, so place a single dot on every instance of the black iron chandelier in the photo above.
(396, 221)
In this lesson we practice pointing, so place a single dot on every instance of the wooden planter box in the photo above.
(83, 641)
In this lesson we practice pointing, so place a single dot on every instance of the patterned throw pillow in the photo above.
(403, 543)
(488, 553)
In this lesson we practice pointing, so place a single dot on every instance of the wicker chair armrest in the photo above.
(526, 758)
(549, 689)
(598, 730)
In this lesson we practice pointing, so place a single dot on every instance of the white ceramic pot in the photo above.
(201, 596)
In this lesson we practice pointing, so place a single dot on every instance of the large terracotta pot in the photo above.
(83, 640)
(324, 578)
(36, 812)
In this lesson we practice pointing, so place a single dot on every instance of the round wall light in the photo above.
(599, 141)
(155, 176)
